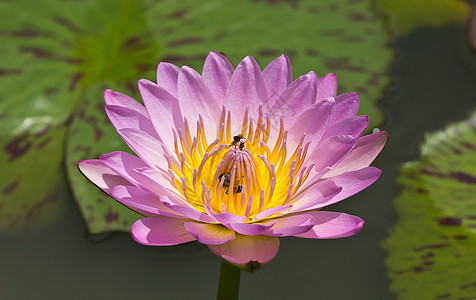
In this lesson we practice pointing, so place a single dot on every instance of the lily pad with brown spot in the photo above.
(342, 37)
(33, 180)
(45, 69)
(91, 135)
(54, 52)
(327, 36)
(432, 248)
(38, 89)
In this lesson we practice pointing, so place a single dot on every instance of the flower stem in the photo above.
(229, 283)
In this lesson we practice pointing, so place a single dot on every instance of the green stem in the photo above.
(229, 284)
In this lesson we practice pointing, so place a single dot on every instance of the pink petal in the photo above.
(326, 86)
(186, 210)
(159, 177)
(123, 117)
(355, 181)
(156, 183)
(142, 202)
(292, 225)
(362, 155)
(313, 122)
(271, 211)
(347, 106)
(126, 165)
(163, 108)
(101, 175)
(248, 252)
(331, 151)
(123, 163)
(217, 72)
(210, 234)
(353, 126)
(295, 98)
(319, 192)
(224, 218)
(251, 228)
(332, 225)
(167, 75)
(118, 99)
(351, 183)
(277, 76)
(196, 99)
(160, 231)
(247, 89)
(149, 149)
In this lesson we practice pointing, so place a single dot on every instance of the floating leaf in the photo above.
(91, 135)
(406, 15)
(33, 179)
(61, 51)
(52, 51)
(432, 248)
(343, 37)
(38, 86)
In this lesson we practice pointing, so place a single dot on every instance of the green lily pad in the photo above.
(432, 248)
(58, 55)
(342, 37)
(403, 16)
(331, 37)
(91, 135)
(33, 179)
(38, 92)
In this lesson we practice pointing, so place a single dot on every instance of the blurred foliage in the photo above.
(432, 248)
(404, 16)
(58, 56)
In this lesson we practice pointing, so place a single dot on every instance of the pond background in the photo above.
(433, 84)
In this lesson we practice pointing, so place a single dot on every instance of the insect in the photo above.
(226, 183)
(236, 140)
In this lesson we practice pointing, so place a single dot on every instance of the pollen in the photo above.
(237, 173)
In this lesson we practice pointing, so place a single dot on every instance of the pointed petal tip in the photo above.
(108, 95)
(358, 227)
(216, 54)
(311, 74)
(108, 92)
(85, 163)
(333, 225)
(381, 137)
(284, 59)
(383, 132)
(143, 82)
(249, 60)
(82, 165)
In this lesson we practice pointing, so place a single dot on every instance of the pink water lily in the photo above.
(236, 158)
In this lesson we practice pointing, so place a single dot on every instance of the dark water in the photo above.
(435, 83)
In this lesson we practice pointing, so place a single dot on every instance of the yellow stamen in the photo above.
(236, 174)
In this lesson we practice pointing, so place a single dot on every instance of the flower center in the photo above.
(237, 173)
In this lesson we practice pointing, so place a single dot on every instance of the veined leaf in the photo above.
(58, 53)
(432, 248)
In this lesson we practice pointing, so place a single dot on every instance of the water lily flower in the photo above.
(237, 158)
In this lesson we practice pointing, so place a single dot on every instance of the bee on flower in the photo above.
(215, 165)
